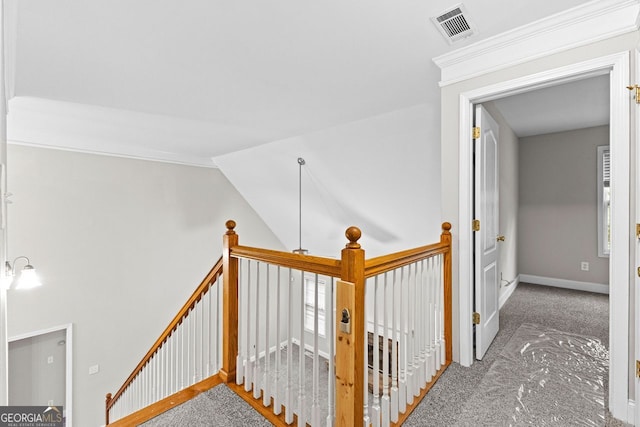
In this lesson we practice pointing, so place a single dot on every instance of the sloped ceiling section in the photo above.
(381, 174)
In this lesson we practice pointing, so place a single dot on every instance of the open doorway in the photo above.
(40, 369)
(616, 67)
(552, 191)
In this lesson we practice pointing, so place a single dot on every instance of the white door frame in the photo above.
(617, 65)
(68, 396)
(635, 417)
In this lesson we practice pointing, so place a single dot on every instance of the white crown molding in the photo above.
(92, 129)
(585, 24)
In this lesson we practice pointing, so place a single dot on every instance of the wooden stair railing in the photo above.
(353, 271)
(351, 360)
(197, 295)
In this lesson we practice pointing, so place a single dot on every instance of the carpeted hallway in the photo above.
(566, 310)
(571, 311)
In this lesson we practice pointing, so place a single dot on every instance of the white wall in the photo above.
(381, 174)
(558, 210)
(120, 245)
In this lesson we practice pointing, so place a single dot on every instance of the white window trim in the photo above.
(603, 248)
(309, 306)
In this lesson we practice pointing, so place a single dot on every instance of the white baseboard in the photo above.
(567, 284)
(631, 412)
(508, 291)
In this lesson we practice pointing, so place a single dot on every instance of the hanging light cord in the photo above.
(301, 162)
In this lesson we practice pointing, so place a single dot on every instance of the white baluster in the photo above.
(415, 333)
(384, 410)
(365, 361)
(240, 358)
(409, 332)
(417, 376)
(256, 370)
(375, 368)
(422, 286)
(441, 287)
(402, 357)
(217, 316)
(288, 398)
(432, 325)
(266, 394)
(277, 404)
(197, 342)
(188, 344)
(395, 289)
(161, 361)
(302, 416)
(438, 325)
(202, 345)
(331, 374)
(147, 388)
(315, 405)
(427, 319)
(180, 354)
(208, 332)
(171, 363)
(248, 367)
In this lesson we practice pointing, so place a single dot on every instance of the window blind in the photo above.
(606, 168)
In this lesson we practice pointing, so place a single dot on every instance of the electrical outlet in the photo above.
(50, 403)
(584, 266)
(50, 359)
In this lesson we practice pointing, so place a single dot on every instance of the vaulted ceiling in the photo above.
(196, 79)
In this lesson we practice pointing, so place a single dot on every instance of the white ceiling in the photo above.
(234, 73)
(576, 105)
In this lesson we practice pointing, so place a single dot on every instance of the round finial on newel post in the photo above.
(446, 226)
(231, 224)
(353, 234)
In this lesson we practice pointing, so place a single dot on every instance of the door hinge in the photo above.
(476, 132)
(638, 271)
(636, 89)
(476, 225)
(476, 318)
(637, 231)
(637, 368)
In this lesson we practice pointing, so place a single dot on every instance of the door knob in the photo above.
(500, 238)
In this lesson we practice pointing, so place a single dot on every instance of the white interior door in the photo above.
(485, 239)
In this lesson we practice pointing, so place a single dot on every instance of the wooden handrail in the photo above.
(202, 289)
(309, 263)
(382, 264)
(352, 270)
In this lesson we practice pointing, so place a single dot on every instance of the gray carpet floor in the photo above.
(570, 311)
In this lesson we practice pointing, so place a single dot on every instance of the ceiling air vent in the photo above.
(454, 23)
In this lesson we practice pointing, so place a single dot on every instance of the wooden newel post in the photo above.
(350, 345)
(107, 402)
(229, 305)
(445, 237)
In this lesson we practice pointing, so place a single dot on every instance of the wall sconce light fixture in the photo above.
(28, 278)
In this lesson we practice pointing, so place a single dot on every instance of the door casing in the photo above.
(617, 66)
